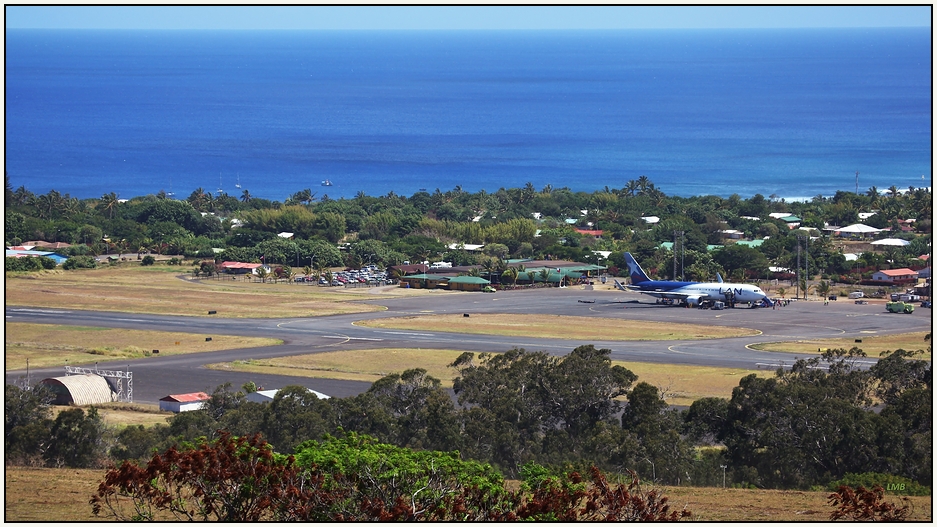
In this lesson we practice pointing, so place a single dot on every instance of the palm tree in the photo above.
(328, 276)
(823, 288)
(489, 266)
(545, 275)
(474, 271)
(631, 187)
(510, 273)
(246, 196)
(109, 203)
(262, 274)
(643, 183)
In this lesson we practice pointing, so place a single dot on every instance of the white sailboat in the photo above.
(238, 184)
(219, 183)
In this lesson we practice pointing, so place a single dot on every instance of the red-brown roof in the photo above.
(589, 232)
(897, 272)
(187, 397)
(239, 265)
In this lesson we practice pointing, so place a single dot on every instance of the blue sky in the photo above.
(462, 17)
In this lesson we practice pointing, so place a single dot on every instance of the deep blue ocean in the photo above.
(793, 113)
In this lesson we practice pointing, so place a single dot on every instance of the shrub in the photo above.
(79, 262)
(866, 505)
(148, 260)
(891, 483)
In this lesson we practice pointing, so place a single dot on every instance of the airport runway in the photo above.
(155, 376)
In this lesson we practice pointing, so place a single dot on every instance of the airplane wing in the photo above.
(689, 298)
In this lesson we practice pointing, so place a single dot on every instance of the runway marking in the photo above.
(50, 311)
(349, 338)
(405, 333)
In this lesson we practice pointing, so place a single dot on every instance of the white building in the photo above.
(183, 402)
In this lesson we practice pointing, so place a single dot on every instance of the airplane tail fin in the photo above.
(719, 278)
(619, 286)
(634, 270)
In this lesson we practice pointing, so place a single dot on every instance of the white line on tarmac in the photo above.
(348, 338)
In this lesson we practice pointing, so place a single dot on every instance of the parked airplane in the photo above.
(690, 292)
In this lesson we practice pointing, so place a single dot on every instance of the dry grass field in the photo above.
(556, 326)
(51, 345)
(50, 495)
(681, 384)
(873, 346)
(172, 290)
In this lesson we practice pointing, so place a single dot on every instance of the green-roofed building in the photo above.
(424, 281)
(467, 283)
(751, 243)
(669, 246)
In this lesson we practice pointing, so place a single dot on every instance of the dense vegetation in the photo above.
(512, 223)
(818, 423)
(804, 427)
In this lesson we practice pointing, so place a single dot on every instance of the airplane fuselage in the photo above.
(694, 292)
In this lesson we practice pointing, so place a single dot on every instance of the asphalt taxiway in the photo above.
(157, 376)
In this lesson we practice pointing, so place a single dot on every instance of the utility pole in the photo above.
(682, 253)
(723, 475)
(797, 276)
(806, 240)
(806, 264)
(857, 182)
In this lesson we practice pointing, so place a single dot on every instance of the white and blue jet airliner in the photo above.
(691, 293)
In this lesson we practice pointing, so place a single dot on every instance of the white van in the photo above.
(856, 294)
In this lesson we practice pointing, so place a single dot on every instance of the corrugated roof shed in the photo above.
(187, 397)
(81, 390)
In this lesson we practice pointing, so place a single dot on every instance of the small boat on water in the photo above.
(326, 183)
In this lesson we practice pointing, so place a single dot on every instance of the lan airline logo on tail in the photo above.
(690, 292)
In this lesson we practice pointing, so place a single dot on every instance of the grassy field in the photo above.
(681, 384)
(48, 495)
(873, 346)
(160, 290)
(556, 326)
(51, 345)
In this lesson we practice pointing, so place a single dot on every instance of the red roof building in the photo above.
(183, 402)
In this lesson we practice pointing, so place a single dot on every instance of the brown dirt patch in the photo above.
(872, 345)
(52, 345)
(160, 290)
(556, 326)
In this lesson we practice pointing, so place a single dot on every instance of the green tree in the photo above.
(77, 439)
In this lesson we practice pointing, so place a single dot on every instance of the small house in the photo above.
(183, 402)
(895, 276)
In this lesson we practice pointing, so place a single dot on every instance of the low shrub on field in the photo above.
(890, 482)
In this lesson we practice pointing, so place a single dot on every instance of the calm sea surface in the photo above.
(788, 112)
